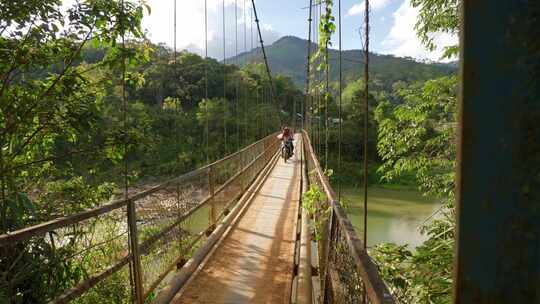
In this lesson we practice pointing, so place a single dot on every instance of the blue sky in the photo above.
(392, 25)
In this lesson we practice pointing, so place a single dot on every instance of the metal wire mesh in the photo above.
(80, 250)
(348, 275)
(171, 220)
(343, 283)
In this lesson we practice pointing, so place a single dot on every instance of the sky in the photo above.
(392, 25)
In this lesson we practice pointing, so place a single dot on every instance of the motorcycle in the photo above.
(286, 151)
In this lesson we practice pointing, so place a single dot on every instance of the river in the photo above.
(394, 215)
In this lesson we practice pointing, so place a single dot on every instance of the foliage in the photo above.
(437, 16)
(64, 138)
(418, 136)
(315, 202)
(50, 108)
(326, 28)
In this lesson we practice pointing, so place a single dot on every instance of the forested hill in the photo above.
(288, 56)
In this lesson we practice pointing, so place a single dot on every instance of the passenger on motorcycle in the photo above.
(287, 137)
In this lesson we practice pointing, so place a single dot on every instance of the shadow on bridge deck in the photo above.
(254, 262)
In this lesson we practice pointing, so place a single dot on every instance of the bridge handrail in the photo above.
(42, 228)
(339, 226)
(235, 171)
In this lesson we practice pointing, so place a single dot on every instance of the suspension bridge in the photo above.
(233, 231)
(240, 230)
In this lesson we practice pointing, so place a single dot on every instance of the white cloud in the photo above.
(359, 8)
(190, 26)
(402, 39)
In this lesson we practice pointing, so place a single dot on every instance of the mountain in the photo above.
(288, 56)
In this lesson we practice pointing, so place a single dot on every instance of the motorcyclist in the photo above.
(286, 137)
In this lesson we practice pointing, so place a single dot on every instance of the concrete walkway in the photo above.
(254, 262)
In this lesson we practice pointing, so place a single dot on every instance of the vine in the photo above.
(314, 201)
(327, 27)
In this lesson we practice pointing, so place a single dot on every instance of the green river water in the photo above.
(394, 215)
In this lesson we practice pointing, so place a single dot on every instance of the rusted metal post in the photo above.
(498, 182)
(136, 260)
(211, 189)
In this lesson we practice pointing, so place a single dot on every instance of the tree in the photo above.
(437, 16)
(49, 108)
(417, 137)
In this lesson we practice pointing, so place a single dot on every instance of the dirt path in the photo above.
(254, 263)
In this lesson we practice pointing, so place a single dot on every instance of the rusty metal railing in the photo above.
(348, 275)
(132, 245)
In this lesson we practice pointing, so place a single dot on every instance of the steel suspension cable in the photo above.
(272, 93)
(251, 27)
(133, 247)
(207, 123)
(265, 117)
(307, 104)
(257, 112)
(176, 101)
(319, 121)
(251, 59)
(177, 109)
(124, 130)
(314, 75)
(245, 27)
(263, 102)
(224, 85)
(339, 106)
(174, 32)
(245, 94)
(326, 108)
(237, 79)
(366, 117)
(315, 80)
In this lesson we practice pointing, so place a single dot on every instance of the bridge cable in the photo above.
(257, 107)
(319, 81)
(256, 133)
(326, 106)
(311, 75)
(177, 109)
(265, 108)
(251, 27)
(124, 130)
(207, 124)
(272, 93)
(262, 110)
(176, 100)
(245, 94)
(366, 117)
(314, 103)
(174, 33)
(224, 85)
(339, 106)
(307, 105)
(136, 293)
(237, 78)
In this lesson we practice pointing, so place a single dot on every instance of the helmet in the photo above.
(286, 131)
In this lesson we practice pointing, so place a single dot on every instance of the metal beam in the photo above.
(498, 182)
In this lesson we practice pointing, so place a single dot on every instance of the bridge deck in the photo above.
(254, 262)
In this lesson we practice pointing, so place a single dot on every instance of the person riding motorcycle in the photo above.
(286, 137)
